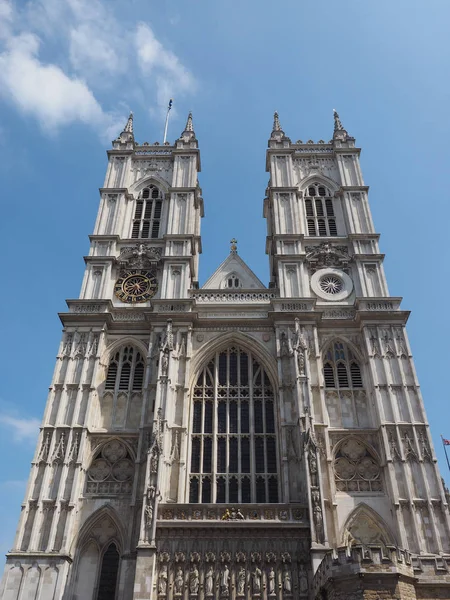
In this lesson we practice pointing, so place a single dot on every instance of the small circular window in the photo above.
(331, 284)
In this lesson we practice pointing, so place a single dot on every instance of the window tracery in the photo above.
(233, 441)
(320, 217)
(147, 214)
(111, 471)
(122, 398)
(344, 390)
(356, 469)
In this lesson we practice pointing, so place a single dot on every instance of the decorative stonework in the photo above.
(140, 256)
(356, 469)
(331, 284)
(327, 255)
(112, 470)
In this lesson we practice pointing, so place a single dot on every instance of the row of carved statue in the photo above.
(255, 580)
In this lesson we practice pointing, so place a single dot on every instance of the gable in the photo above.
(233, 273)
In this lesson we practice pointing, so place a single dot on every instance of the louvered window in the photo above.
(341, 368)
(355, 372)
(147, 214)
(328, 373)
(126, 370)
(344, 387)
(233, 441)
(319, 211)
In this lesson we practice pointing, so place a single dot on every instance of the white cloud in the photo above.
(87, 50)
(171, 76)
(44, 90)
(21, 429)
(90, 53)
(6, 17)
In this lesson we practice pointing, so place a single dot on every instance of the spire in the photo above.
(129, 125)
(189, 125)
(188, 134)
(337, 121)
(233, 247)
(126, 137)
(339, 132)
(276, 123)
(277, 133)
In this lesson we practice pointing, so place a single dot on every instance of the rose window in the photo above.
(111, 472)
(355, 469)
(331, 284)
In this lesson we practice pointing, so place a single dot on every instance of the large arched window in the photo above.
(122, 398)
(147, 214)
(345, 397)
(233, 441)
(320, 218)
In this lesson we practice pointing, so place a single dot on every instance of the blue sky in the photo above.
(71, 70)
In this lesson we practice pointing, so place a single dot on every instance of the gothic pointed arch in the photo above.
(233, 455)
(126, 340)
(97, 550)
(147, 181)
(365, 527)
(321, 179)
(105, 517)
(229, 338)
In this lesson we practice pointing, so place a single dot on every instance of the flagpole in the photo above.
(445, 450)
(167, 120)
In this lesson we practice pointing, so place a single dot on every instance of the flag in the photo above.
(170, 104)
(446, 442)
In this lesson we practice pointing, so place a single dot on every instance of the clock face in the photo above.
(136, 285)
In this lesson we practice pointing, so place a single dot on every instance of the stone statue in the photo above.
(194, 580)
(164, 364)
(241, 582)
(257, 580)
(179, 581)
(209, 581)
(271, 582)
(287, 583)
(154, 460)
(225, 581)
(318, 521)
(151, 495)
(162, 581)
(148, 515)
(303, 579)
(313, 468)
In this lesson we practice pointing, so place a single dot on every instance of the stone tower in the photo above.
(234, 441)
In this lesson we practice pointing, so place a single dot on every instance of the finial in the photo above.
(337, 121)
(189, 125)
(233, 248)
(129, 125)
(276, 122)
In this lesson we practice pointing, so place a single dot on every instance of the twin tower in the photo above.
(233, 441)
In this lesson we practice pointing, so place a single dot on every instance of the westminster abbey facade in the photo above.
(233, 441)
